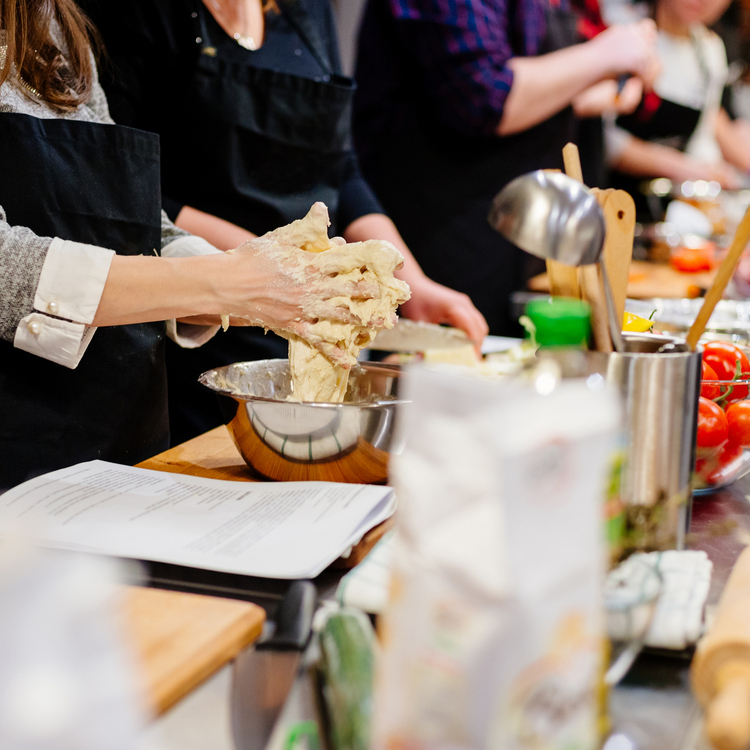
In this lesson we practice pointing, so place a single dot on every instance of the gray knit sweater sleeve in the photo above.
(22, 256)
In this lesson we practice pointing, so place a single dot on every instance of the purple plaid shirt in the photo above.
(450, 53)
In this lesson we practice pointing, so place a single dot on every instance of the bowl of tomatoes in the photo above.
(723, 436)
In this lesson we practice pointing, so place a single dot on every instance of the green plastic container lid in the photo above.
(560, 321)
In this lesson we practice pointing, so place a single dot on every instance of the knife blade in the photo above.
(415, 336)
(262, 676)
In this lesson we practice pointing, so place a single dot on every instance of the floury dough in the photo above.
(320, 362)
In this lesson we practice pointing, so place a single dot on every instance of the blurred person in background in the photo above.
(680, 129)
(254, 116)
(455, 99)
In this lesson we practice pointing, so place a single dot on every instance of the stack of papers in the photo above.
(286, 530)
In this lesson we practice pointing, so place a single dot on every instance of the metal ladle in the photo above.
(553, 216)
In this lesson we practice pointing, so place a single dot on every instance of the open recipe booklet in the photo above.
(270, 530)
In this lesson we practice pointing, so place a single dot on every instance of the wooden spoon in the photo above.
(716, 290)
(588, 276)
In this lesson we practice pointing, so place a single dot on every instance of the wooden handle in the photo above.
(724, 653)
(727, 720)
(572, 161)
(726, 269)
(563, 280)
(588, 276)
(592, 291)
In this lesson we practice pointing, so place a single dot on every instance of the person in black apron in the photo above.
(680, 130)
(74, 187)
(268, 133)
(431, 149)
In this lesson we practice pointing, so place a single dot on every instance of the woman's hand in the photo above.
(545, 84)
(648, 160)
(434, 303)
(272, 285)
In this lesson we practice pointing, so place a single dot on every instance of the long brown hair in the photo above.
(63, 80)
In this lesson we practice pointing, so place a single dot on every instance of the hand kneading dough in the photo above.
(320, 362)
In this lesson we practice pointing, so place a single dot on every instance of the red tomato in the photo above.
(709, 391)
(691, 259)
(713, 428)
(722, 357)
(738, 417)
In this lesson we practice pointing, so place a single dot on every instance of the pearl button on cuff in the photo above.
(35, 327)
(53, 307)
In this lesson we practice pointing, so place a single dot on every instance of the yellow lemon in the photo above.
(636, 324)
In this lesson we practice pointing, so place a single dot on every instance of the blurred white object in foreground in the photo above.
(65, 683)
(677, 621)
(492, 637)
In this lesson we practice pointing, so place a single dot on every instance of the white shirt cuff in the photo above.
(54, 339)
(72, 280)
(70, 289)
(190, 336)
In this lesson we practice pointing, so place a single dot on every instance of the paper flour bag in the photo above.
(493, 635)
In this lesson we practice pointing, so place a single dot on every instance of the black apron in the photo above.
(437, 186)
(660, 121)
(96, 184)
(271, 144)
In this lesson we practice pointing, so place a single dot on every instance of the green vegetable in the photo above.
(346, 643)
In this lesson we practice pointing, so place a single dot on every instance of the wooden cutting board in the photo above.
(213, 455)
(649, 280)
(182, 639)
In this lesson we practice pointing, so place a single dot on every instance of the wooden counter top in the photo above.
(649, 280)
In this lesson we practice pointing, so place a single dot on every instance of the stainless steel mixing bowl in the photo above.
(290, 441)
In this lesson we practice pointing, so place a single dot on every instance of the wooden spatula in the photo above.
(588, 276)
(619, 216)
